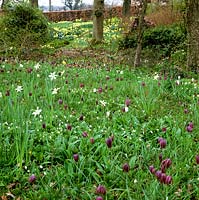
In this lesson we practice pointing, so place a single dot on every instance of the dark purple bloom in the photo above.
(189, 128)
(152, 169)
(143, 84)
(158, 174)
(81, 85)
(162, 143)
(69, 127)
(92, 140)
(164, 129)
(30, 94)
(85, 134)
(127, 102)
(168, 180)
(197, 159)
(99, 198)
(186, 111)
(163, 178)
(7, 93)
(165, 164)
(76, 157)
(32, 178)
(126, 167)
(43, 125)
(101, 190)
(81, 118)
(60, 101)
(160, 157)
(109, 142)
(100, 90)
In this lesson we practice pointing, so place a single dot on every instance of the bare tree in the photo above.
(73, 4)
(142, 12)
(192, 20)
(34, 3)
(98, 20)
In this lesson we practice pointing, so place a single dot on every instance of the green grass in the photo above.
(36, 138)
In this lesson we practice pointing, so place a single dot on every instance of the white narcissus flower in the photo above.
(19, 88)
(126, 109)
(52, 76)
(55, 90)
(103, 102)
(37, 66)
(1, 94)
(37, 112)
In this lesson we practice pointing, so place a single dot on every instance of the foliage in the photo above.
(108, 116)
(166, 39)
(22, 27)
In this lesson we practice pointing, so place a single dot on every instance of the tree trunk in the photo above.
(34, 3)
(126, 8)
(98, 20)
(140, 33)
(193, 34)
(50, 5)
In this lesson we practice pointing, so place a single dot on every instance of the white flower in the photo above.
(94, 90)
(19, 88)
(55, 90)
(1, 94)
(121, 72)
(21, 65)
(156, 77)
(126, 109)
(37, 112)
(108, 113)
(37, 66)
(52, 76)
(103, 102)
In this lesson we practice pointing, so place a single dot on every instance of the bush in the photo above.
(22, 28)
(165, 39)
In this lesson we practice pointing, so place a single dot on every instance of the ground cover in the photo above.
(78, 131)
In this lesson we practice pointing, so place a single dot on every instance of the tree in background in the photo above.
(73, 4)
(98, 20)
(142, 12)
(34, 3)
(192, 21)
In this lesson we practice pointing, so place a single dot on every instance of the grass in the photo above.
(51, 112)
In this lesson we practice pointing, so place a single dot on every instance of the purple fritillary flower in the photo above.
(168, 180)
(81, 118)
(101, 190)
(162, 143)
(76, 157)
(126, 167)
(152, 169)
(127, 102)
(85, 134)
(109, 142)
(32, 178)
(69, 127)
(100, 90)
(60, 101)
(43, 125)
(92, 140)
(197, 159)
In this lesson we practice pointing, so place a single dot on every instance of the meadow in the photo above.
(81, 129)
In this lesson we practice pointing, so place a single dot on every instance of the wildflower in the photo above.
(162, 143)
(186, 111)
(100, 90)
(109, 142)
(152, 169)
(126, 167)
(99, 198)
(81, 118)
(37, 66)
(160, 157)
(103, 103)
(32, 178)
(19, 88)
(164, 129)
(76, 157)
(37, 112)
(165, 164)
(43, 125)
(92, 140)
(60, 101)
(197, 159)
(81, 85)
(52, 76)
(55, 90)
(21, 65)
(1, 94)
(7, 93)
(69, 127)
(101, 190)
(85, 134)
(189, 128)
(168, 180)
(127, 102)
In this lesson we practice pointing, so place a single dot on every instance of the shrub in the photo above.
(165, 39)
(22, 28)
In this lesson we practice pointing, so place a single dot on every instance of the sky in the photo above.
(60, 2)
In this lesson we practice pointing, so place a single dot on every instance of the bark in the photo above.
(192, 20)
(126, 8)
(140, 33)
(98, 20)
